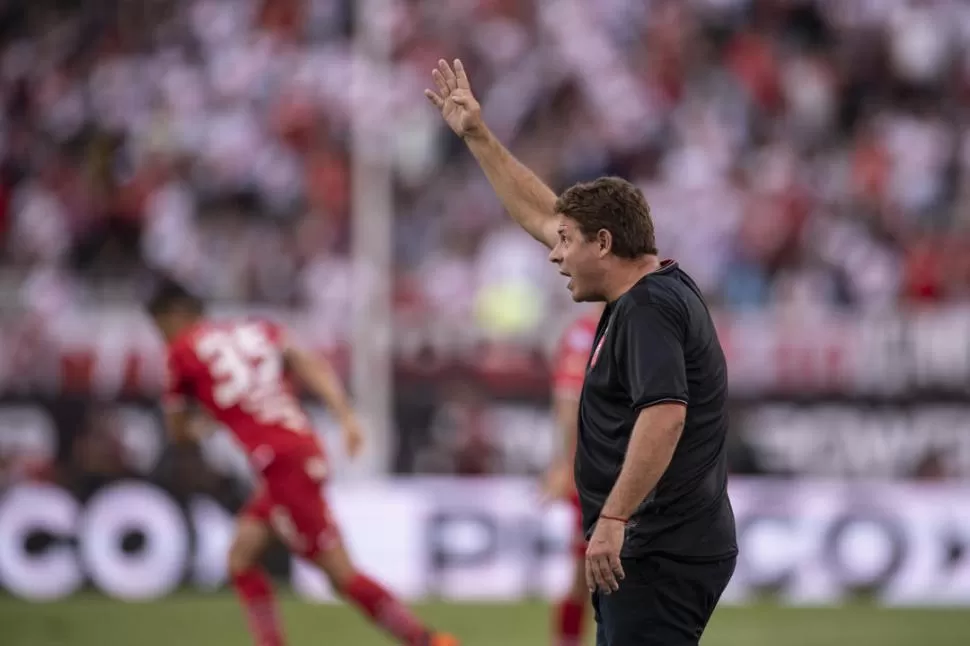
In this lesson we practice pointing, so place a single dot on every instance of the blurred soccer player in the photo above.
(239, 372)
(569, 370)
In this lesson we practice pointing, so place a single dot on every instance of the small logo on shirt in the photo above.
(596, 352)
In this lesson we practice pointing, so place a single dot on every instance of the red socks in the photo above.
(256, 595)
(386, 611)
(569, 623)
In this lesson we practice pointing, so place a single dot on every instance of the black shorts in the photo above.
(661, 602)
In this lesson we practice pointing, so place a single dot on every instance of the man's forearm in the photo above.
(527, 199)
(651, 447)
(322, 380)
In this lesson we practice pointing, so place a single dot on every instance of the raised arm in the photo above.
(527, 199)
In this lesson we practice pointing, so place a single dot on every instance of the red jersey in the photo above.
(572, 356)
(569, 372)
(235, 370)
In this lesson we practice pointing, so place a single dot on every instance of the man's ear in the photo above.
(604, 240)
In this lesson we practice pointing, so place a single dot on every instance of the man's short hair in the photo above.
(169, 296)
(616, 205)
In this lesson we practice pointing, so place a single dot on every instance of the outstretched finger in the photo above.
(449, 74)
(440, 83)
(436, 100)
(461, 77)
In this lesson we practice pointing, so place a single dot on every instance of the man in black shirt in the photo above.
(650, 461)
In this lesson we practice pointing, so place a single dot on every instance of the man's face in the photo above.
(580, 260)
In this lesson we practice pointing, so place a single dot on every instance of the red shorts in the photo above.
(579, 535)
(290, 499)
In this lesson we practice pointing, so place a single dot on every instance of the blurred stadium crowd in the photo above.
(795, 152)
(798, 155)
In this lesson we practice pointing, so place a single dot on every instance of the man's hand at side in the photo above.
(652, 444)
(603, 568)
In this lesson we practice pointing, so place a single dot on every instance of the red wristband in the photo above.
(616, 518)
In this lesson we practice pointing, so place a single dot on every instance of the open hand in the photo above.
(604, 571)
(455, 100)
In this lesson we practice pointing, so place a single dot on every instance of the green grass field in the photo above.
(214, 620)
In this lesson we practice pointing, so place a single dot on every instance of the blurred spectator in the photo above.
(461, 441)
(933, 467)
(98, 448)
(184, 472)
(15, 469)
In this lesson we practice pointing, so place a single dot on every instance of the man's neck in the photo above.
(628, 273)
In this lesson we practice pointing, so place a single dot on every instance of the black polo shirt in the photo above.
(656, 344)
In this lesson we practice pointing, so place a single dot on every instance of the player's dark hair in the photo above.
(169, 296)
(616, 205)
